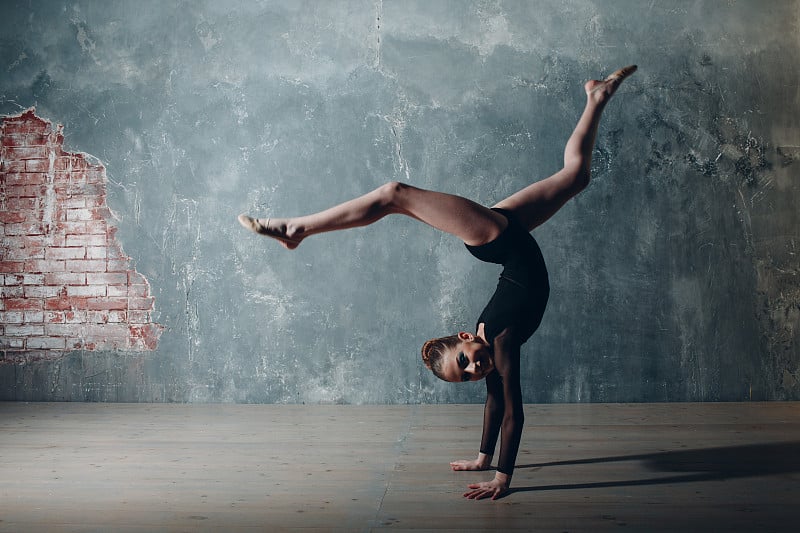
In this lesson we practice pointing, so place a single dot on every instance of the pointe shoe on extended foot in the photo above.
(252, 224)
(256, 226)
(622, 73)
(615, 77)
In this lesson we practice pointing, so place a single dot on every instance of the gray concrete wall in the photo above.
(674, 275)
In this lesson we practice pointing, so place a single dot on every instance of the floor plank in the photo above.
(582, 467)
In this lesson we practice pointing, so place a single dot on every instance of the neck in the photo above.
(481, 332)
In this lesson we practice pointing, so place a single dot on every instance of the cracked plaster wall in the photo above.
(675, 275)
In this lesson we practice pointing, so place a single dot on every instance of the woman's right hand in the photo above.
(483, 462)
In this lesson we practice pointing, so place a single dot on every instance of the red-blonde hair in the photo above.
(433, 353)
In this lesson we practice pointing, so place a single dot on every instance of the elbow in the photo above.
(515, 418)
(494, 405)
(495, 411)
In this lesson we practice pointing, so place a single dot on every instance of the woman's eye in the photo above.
(462, 360)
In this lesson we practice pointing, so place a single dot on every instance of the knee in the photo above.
(579, 178)
(582, 179)
(390, 194)
(578, 168)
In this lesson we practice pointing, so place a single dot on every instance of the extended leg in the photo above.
(539, 201)
(471, 222)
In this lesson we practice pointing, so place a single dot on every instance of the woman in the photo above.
(498, 235)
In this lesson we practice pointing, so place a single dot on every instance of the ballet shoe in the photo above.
(616, 76)
(263, 229)
(252, 224)
(621, 74)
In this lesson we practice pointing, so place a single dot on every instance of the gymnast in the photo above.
(500, 234)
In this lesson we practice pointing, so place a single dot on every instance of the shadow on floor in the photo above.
(708, 464)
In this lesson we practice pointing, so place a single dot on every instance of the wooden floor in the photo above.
(229, 468)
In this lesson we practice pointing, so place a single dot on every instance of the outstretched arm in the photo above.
(492, 418)
(512, 418)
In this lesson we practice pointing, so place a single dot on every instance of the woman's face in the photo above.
(470, 360)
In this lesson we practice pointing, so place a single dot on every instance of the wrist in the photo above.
(484, 460)
(503, 478)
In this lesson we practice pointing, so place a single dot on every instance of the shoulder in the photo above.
(506, 352)
(505, 340)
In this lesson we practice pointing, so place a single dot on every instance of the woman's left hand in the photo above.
(494, 489)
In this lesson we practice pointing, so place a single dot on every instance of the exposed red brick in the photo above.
(15, 139)
(41, 291)
(12, 166)
(25, 178)
(95, 227)
(54, 317)
(107, 278)
(12, 317)
(22, 304)
(96, 252)
(98, 304)
(117, 291)
(26, 229)
(12, 342)
(87, 240)
(11, 217)
(9, 292)
(33, 279)
(24, 330)
(25, 152)
(37, 165)
(116, 265)
(138, 291)
(86, 265)
(33, 317)
(145, 335)
(8, 267)
(86, 290)
(43, 266)
(13, 279)
(140, 304)
(65, 304)
(77, 252)
(27, 122)
(138, 317)
(65, 281)
(20, 204)
(23, 252)
(46, 343)
(65, 278)
(25, 191)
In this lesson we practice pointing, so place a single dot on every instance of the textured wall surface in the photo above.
(674, 275)
(66, 283)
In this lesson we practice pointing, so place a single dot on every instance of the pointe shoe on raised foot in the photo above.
(616, 76)
(621, 74)
(263, 229)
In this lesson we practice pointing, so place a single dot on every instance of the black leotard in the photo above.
(510, 318)
(522, 291)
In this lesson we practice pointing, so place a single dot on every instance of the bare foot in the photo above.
(275, 228)
(601, 90)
